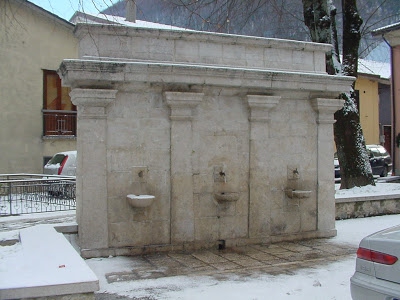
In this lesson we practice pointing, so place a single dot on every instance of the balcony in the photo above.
(59, 123)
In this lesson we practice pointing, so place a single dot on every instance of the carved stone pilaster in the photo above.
(92, 103)
(260, 106)
(325, 175)
(182, 104)
(326, 109)
(92, 208)
(182, 210)
(260, 208)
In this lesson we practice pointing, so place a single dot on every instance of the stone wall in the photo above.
(229, 134)
(359, 207)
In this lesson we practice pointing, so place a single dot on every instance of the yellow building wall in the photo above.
(369, 109)
(30, 41)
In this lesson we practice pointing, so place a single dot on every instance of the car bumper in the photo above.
(365, 287)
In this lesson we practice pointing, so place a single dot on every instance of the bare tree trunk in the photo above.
(335, 42)
(355, 169)
(317, 18)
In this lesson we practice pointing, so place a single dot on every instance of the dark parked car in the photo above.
(379, 158)
(337, 167)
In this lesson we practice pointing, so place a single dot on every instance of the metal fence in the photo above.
(36, 193)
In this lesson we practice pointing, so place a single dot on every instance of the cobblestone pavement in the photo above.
(226, 265)
(280, 258)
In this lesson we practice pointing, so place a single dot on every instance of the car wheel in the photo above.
(385, 171)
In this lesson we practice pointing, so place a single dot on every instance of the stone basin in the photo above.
(298, 193)
(140, 201)
(226, 197)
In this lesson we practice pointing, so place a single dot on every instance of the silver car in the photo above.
(377, 274)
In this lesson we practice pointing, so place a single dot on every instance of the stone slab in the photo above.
(47, 266)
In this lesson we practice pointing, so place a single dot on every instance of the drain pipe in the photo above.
(393, 137)
(130, 11)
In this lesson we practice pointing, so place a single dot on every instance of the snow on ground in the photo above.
(379, 189)
(329, 281)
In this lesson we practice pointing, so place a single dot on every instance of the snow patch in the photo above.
(369, 190)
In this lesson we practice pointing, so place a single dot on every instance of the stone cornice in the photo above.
(77, 73)
(326, 109)
(92, 97)
(260, 106)
(92, 103)
(182, 104)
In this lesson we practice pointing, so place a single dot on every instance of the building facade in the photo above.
(37, 117)
(391, 34)
(373, 101)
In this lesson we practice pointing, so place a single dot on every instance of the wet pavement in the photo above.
(240, 264)
(274, 259)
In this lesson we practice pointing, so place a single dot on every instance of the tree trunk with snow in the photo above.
(319, 17)
(355, 168)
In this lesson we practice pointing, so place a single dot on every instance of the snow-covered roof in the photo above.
(369, 67)
(386, 29)
(80, 17)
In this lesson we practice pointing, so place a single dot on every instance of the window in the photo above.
(46, 159)
(375, 152)
(59, 114)
(382, 151)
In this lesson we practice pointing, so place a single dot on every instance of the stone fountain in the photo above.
(230, 137)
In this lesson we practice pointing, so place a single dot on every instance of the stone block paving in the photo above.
(274, 259)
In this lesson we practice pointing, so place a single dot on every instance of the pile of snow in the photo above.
(80, 17)
(379, 189)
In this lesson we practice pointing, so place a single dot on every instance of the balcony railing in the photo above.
(59, 122)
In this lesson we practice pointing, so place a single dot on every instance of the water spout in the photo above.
(223, 175)
(220, 174)
(295, 174)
